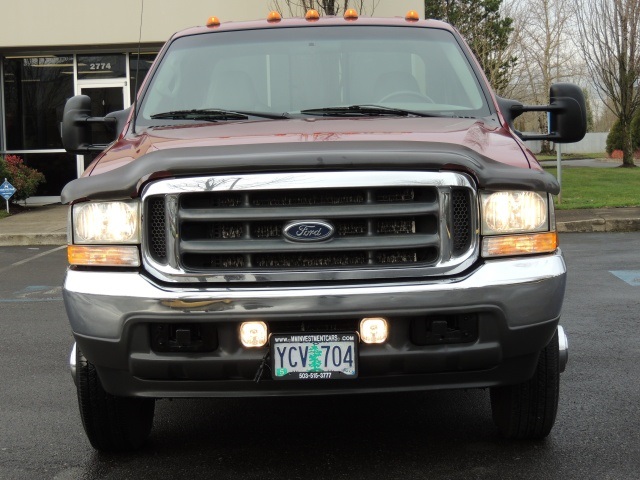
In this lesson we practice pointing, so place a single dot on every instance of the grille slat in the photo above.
(337, 244)
(260, 214)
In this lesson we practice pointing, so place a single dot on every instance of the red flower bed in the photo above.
(617, 154)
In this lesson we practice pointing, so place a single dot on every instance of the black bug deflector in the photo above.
(126, 182)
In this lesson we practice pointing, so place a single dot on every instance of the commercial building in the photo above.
(50, 51)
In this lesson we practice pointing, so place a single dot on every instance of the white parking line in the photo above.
(632, 277)
(26, 260)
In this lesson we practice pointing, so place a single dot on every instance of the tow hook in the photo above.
(72, 364)
(563, 349)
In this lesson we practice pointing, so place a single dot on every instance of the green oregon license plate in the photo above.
(314, 356)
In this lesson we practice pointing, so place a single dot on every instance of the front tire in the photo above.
(527, 411)
(111, 423)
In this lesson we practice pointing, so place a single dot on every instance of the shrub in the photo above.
(614, 139)
(23, 178)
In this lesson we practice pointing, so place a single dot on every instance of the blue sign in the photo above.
(7, 190)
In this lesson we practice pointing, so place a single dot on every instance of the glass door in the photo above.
(106, 97)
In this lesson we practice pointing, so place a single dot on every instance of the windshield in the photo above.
(301, 71)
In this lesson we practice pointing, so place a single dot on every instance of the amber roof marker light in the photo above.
(274, 17)
(412, 16)
(312, 15)
(213, 22)
(351, 14)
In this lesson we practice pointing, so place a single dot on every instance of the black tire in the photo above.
(113, 424)
(527, 411)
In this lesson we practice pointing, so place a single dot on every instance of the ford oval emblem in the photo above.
(308, 231)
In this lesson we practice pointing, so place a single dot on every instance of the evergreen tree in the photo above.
(315, 358)
(487, 32)
(587, 101)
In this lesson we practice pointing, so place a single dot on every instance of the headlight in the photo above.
(517, 223)
(514, 212)
(106, 223)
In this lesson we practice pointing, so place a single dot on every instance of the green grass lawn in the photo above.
(584, 187)
(571, 156)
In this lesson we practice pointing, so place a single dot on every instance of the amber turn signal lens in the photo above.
(502, 246)
(274, 17)
(103, 256)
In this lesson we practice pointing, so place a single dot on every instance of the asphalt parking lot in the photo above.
(436, 435)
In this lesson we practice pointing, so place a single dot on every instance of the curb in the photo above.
(19, 239)
(594, 225)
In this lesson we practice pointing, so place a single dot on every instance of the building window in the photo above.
(58, 170)
(35, 92)
(95, 67)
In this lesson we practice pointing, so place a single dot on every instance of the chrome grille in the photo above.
(383, 226)
(379, 229)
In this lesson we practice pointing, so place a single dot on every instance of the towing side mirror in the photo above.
(567, 114)
(76, 125)
(569, 119)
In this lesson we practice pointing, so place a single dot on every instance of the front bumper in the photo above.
(517, 301)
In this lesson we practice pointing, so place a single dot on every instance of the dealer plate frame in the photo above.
(330, 346)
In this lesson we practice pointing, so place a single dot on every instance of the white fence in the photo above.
(591, 143)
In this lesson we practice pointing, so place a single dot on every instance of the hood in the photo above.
(490, 155)
(487, 139)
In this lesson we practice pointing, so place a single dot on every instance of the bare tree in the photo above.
(543, 50)
(609, 36)
(326, 7)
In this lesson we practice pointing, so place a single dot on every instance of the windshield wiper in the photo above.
(365, 110)
(214, 114)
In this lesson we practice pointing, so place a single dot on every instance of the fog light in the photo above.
(373, 330)
(253, 334)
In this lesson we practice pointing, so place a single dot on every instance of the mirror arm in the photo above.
(516, 109)
(552, 136)
(98, 147)
(108, 121)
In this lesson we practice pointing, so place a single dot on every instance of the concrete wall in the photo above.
(28, 24)
(591, 143)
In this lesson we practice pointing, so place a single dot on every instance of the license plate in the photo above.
(314, 356)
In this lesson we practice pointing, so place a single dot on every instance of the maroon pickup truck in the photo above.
(314, 207)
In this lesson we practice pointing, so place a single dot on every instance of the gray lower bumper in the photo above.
(521, 297)
(527, 291)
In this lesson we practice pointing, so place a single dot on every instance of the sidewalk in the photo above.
(47, 225)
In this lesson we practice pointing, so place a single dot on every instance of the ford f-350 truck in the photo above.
(314, 206)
